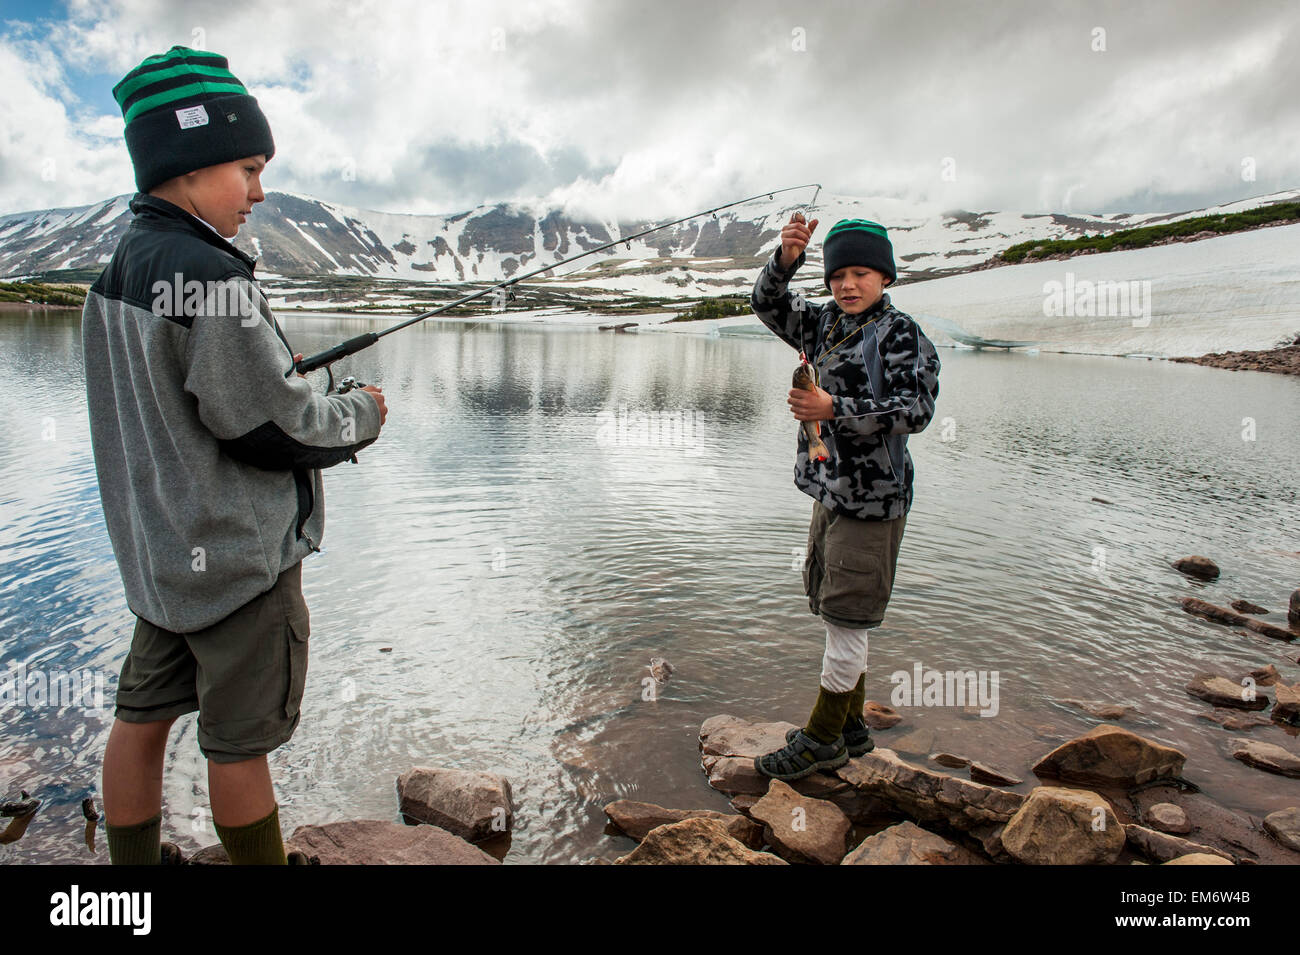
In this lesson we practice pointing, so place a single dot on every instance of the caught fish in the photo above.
(803, 380)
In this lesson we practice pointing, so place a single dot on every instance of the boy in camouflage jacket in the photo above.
(877, 379)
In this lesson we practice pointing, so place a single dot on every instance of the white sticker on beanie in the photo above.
(192, 116)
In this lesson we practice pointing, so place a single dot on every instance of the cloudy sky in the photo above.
(651, 109)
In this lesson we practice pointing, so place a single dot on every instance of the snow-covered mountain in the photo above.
(294, 235)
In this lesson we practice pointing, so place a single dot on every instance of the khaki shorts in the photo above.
(244, 674)
(848, 573)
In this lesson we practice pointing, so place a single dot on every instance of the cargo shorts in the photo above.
(848, 573)
(244, 675)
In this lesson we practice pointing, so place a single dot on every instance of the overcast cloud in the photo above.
(652, 109)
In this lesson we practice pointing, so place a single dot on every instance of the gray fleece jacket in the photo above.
(207, 444)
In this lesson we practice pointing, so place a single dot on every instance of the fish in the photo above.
(803, 380)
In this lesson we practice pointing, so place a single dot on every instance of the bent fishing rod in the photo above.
(353, 345)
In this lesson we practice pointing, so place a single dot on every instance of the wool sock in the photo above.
(857, 700)
(827, 720)
(258, 843)
(137, 844)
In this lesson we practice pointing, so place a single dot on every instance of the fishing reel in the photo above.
(347, 384)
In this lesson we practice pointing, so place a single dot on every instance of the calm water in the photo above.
(524, 569)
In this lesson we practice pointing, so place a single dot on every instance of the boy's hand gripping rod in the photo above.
(353, 345)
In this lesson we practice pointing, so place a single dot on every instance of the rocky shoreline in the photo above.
(1283, 360)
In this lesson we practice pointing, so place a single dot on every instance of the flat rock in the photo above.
(636, 819)
(1162, 847)
(1199, 858)
(984, 773)
(377, 842)
(950, 760)
(1284, 825)
(1197, 566)
(802, 829)
(473, 805)
(928, 796)
(1234, 719)
(732, 736)
(908, 844)
(1166, 817)
(1287, 707)
(1267, 756)
(1101, 710)
(1220, 691)
(694, 842)
(1110, 755)
(1203, 608)
(728, 745)
(1058, 826)
(1245, 606)
(879, 716)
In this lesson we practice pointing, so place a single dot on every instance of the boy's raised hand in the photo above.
(795, 236)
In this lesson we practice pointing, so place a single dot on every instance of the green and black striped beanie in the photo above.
(858, 242)
(185, 110)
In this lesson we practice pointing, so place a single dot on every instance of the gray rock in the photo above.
(1058, 826)
(801, 829)
(1267, 756)
(1109, 755)
(475, 806)
(1166, 817)
(636, 819)
(694, 842)
(376, 842)
(1284, 825)
(1220, 691)
(908, 844)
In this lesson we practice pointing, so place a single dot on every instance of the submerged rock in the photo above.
(694, 842)
(1058, 826)
(1110, 755)
(1103, 711)
(802, 829)
(1245, 606)
(908, 844)
(1197, 566)
(984, 773)
(1220, 691)
(1267, 756)
(1235, 719)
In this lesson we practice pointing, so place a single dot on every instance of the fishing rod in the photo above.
(353, 345)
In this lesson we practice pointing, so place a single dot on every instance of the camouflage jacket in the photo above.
(883, 376)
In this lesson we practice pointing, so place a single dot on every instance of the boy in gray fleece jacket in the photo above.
(208, 449)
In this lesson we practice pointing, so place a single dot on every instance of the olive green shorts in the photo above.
(244, 674)
(848, 573)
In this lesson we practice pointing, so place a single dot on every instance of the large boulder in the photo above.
(694, 842)
(1220, 691)
(1109, 755)
(375, 842)
(802, 829)
(475, 806)
(1064, 827)
(1267, 756)
(636, 819)
(908, 844)
(927, 796)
